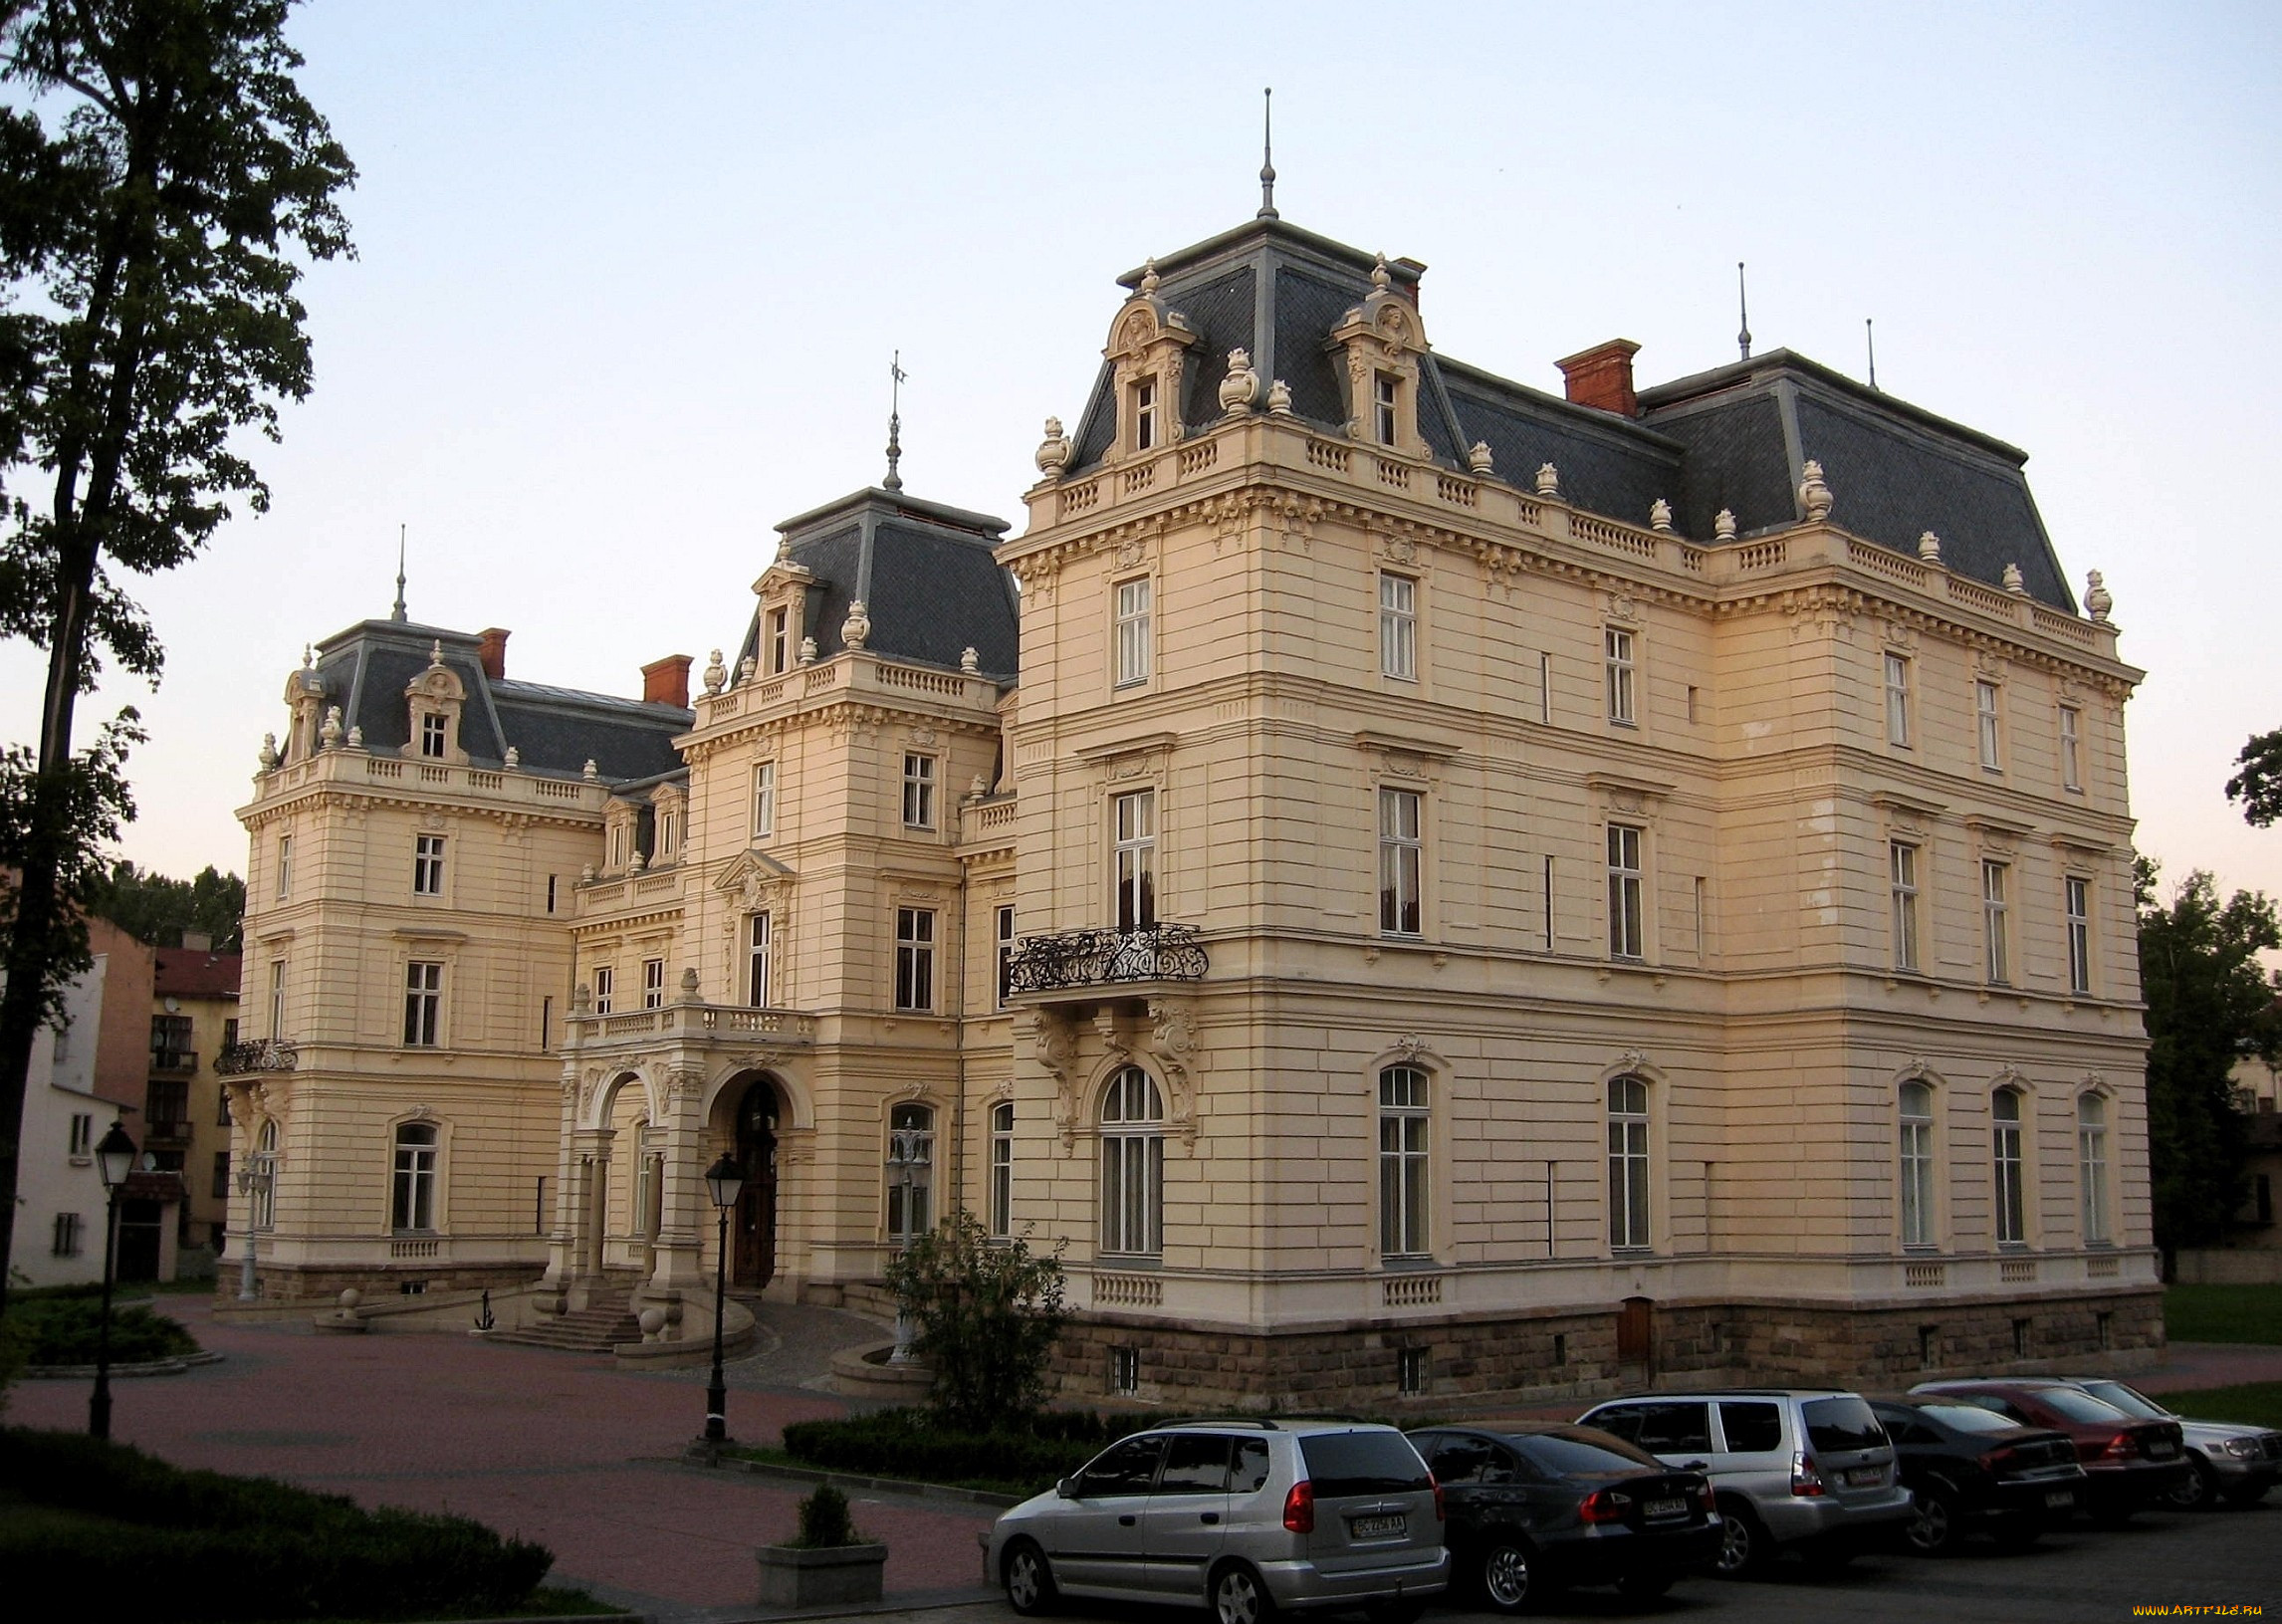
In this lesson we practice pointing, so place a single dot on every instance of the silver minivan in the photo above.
(1804, 1467)
(1241, 1516)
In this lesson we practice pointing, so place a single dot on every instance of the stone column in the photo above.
(562, 1256)
(684, 1209)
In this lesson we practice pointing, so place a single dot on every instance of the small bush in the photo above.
(824, 1522)
(909, 1444)
(987, 1313)
(65, 1329)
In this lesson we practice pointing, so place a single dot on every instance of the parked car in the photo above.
(1973, 1471)
(2128, 1464)
(2231, 1460)
(1799, 1468)
(1245, 1517)
(1537, 1506)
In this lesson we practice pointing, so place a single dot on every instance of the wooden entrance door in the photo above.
(753, 1229)
(1633, 1330)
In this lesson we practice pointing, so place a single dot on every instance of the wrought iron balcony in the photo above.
(262, 1054)
(1094, 957)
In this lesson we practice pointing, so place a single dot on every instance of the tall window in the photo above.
(758, 942)
(2071, 748)
(915, 958)
(423, 1002)
(427, 865)
(1917, 1164)
(910, 1173)
(413, 1202)
(1616, 645)
(605, 984)
(2005, 1162)
(1401, 856)
(1628, 1163)
(1903, 857)
(67, 1238)
(1135, 820)
(1985, 722)
(653, 983)
(82, 1134)
(285, 867)
(1005, 939)
(1386, 392)
(1995, 923)
(1403, 1121)
(779, 641)
(1626, 930)
(1145, 414)
(1898, 700)
(1133, 1164)
(277, 998)
(1133, 630)
(763, 801)
(1399, 628)
(918, 790)
(432, 736)
(262, 1201)
(1003, 1168)
(2092, 1166)
(2078, 893)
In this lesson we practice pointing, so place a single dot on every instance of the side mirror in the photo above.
(1067, 1489)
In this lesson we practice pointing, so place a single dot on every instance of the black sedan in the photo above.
(1534, 1507)
(1974, 1471)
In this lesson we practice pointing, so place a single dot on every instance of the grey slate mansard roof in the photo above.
(1735, 437)
(555, 731)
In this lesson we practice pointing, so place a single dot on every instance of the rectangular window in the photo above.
(1386, 392)
(1627, 927)
(669, 836)
(918, 791)
(1898, 700)
(653, 983)
(66, 1239)
(2071, 748)
(432, 736)
(915, 958)
(1995, 923)
(424, 1003)
(763, 801)
(220, 1189)
(2011, 1208)
(2092, 1167)
(1125, 1370)
(82, 1133)
(2079, 904)
(1627, 1164)
(222, 1118)
(170, 1048)
(605, 982)
(1545, 688)
(1986, 720)
(1005, 936)
(760, 951)
(1003, 1169)
(1617, 647)
(1135, 829)
(1917, 1136)
(427, 865)
(285, 867)
(1134, 620)
(166, 1108)
(1411, 1370)
(1132, 1193)
(551, 893)
(1145, 414)
(546, 1024)
(1548, 904)
(779, 641)
(412, 1204)
(1403, 1125)
(277, 998)
(1399, 628)
(1903, 858)
(1401, 862)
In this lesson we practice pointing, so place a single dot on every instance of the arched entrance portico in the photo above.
(753, 1227)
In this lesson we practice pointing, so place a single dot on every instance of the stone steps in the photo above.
(597, 1329)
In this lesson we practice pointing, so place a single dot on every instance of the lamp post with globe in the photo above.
(114, 1160)
(724, 1182)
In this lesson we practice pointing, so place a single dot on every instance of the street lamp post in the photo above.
(909, 1152)
(254, 1184)
(724, 1182)
(114, 1159)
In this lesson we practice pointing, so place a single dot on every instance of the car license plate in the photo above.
(1665, 1508)
(2060, 1499)
(2159, 1450)
(1376, 1528)
(1866, 1476)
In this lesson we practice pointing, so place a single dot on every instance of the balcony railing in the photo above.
(262, 1054)
(1093, 958)
(175, 1061)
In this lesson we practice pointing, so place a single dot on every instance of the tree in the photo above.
(2259, 784)
(163, 184)
(987, 1313)
(154, 909)
(2210, 1004)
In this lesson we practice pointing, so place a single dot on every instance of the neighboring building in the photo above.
(186, 1111)
(1478, 890)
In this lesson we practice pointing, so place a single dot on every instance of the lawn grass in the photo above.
(2258, 1403)
(2223, 1313)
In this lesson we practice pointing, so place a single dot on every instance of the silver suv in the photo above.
(1241, 1516)
(1804, 1467)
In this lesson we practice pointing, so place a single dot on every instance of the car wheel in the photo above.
(1644, 1586)
(1933, 1531)
(1239, 1597)
(1508, 1577)
(1743, 1545)
(2200, 1490)
(1029, 1581)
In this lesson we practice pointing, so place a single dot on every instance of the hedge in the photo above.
(906, 1444)
(208, 1547)
(65, 1330)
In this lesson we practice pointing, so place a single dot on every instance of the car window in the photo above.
(1251, 1474)
(1840, 1424)
(1622, 1420)
(2067, 1401)
(1558, 1454)
(1196, 1463)
(1361, 1463)
(1995, 1404)
(1968, 1417)
(1674, 1429)
(1602, 1438)
(1473, 1460)
(2128, 1400)
(1124, 1467)
(1752, 1428)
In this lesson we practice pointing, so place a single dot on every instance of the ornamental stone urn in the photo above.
(1053, 450)
(1815, 498)
(1242, 385)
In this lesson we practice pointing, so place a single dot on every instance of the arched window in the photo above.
(1133, 1164)
(910, 1173)
(262, 1197)
(413, 1199)
(1403, 1122)
(2006, 1166)
(1003, 1168)
(2092, 1166)
(1917, 1164)
(1628, 1163)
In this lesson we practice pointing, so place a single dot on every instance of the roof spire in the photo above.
(896, 376)
(397, 612)
(1268, 155)
(1743, 337)
(1870, 337)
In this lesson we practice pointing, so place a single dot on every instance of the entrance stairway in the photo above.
(597, 1329)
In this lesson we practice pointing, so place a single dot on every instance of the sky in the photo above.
(629, 279)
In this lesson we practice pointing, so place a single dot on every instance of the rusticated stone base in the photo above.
(376, 1280)
(1477, 1363)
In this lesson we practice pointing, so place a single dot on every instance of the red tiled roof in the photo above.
(193, 971)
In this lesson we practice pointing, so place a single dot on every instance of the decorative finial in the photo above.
(589, 771)
(689, 984)
(857, 627)
(638, 862)
(1929, 548)
(2013, 581)
(1242, 385)
(329, 736)
(1268, 156)
(896, 375)
(1149, 277)
(356, 738)
(307, 655)
(1723, 525)
(1381, 277)
(1480, 458)
(969, 661)
(715, 674)
(2097, 598)
(1548, 480)
(1743, 305)
(1279, 399)
(397, 614)
(808, 651)
(1870, 340)
(1814, 496)
(436, 654)
(1053, 450)
(514, 760)
(268, 756)
(1660, 516)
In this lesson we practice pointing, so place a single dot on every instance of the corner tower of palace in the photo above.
(1482, 891)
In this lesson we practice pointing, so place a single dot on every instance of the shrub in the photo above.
(65, 1329)
(824, 1523)
(987, 1313)
(911, 1444)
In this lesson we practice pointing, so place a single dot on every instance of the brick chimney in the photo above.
(1601, 377)
(491, 651)
(666, 681)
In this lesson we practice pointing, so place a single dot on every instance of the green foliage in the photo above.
(63, 1330)
(913, 1445)
(987, 1315)
(2259, 784)
(2253, 1404)
(825, 1520)
(2223, 1313)
(154, 909)
(74, 817)
(2210, 1004)
(210, 1547)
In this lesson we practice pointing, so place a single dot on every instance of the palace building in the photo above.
(1418, 886)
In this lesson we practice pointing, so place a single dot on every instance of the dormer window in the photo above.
(432, 736)
(1145, 414)
(779, 641)
(1386, 394)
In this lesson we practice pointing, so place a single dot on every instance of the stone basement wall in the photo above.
(321, 1286)
(1879, 1348)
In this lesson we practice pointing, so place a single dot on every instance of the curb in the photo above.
(149, 1367)
(700, 1456)
(909, 1601)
